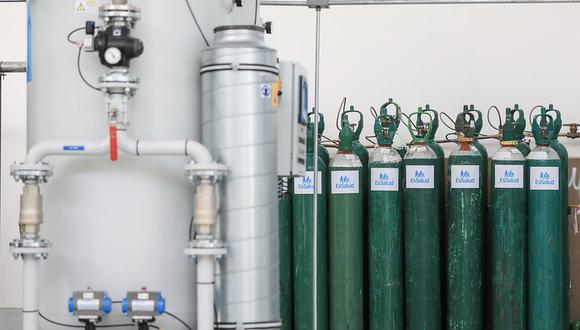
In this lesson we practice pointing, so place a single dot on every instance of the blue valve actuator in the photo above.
(106, 305)
(160, 304)
(71, 305)
(125, 306)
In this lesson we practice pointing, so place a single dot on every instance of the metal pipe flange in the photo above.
(38, 173)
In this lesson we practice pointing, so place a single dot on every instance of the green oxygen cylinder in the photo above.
(560, 149)
(384, 110)
(508, 232)
(484, 172)
(520, 123)
(439, 182)
(322, 150)
(303, 231)
(361, 151)
(421, 232)
(285, 253)
(545, 230)
(386, 300)
(346, 235)
(465, 229)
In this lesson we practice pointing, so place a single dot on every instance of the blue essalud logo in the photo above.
(384, 180)
(509, 177)
(419, 177)
(544, 179)
(344, 183)
(465, 177)
(306, 183)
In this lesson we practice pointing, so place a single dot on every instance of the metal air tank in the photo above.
(345, 235)
(508, 231)
(544, 230)
(386, 300)
(465, 229)
(421, 231)
(303, 221)
(239, 128)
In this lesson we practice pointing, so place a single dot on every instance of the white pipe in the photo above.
(30, 292)
(43, 149)
(197, 151)
(205, 293)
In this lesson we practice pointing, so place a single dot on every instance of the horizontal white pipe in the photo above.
(193, 149)
(197, 151)
(43, 149)
(205, 294)
(30, 293)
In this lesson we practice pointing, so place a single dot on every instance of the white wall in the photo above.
(13, 146)
(446, 55)
(443, 55)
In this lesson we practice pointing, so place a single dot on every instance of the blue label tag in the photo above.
(73, 148)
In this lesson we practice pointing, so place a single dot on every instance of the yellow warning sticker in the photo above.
(275, 93)
(86, 6)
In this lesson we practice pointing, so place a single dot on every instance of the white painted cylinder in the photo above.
(119, 226)
(30, 293)
(205, 292)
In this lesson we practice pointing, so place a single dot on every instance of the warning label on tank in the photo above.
(544, 178)
(509, 176)
(305, 185)
(465, 176)
(384, 179)
(420, 176)
(344, 182)
(86, 6)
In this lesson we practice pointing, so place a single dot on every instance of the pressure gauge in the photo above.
(113, 55)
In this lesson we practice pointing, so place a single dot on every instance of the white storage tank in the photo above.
(119, 226)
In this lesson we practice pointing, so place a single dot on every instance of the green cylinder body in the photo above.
(303, 231)
(346, 242)
(545, 240)
(575, 325)
(421, 240)
(285, 253)
(560, 149)
(465, 239)
(508, 239)
(386, 299)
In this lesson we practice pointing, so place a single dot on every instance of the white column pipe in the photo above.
(205, 292)
(197, 151)
(30, 292)
(43, 149)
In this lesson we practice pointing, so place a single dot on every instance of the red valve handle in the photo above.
(113, 140)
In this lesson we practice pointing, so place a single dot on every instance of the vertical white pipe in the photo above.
(205, 294)
(315, 199)
(30, 292)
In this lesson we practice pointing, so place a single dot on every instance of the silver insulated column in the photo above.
(238, 74)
